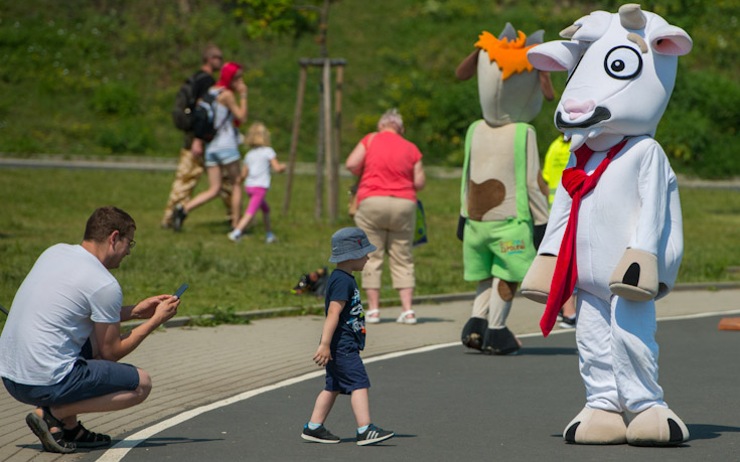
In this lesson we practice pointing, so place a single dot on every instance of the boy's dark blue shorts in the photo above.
(87, 379)
(346, 373)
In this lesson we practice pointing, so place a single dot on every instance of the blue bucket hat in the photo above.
(349, 244)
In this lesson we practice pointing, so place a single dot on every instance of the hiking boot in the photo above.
(178, 216)
(320, 435)
(373, 435)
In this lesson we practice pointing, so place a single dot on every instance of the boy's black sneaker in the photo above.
(373, 435)
(320, 435)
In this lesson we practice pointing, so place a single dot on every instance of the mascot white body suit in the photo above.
(503, 196)
(615, 229)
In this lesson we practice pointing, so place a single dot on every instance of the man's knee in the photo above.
(145, 385)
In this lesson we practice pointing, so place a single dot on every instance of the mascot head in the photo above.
(622, 68)
(510, 89)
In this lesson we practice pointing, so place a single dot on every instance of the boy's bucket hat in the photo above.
(349, 244)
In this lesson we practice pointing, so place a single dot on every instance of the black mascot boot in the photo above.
(473, 333)
(500, 342)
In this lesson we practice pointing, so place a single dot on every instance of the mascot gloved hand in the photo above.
(615, 227)
(503, 195)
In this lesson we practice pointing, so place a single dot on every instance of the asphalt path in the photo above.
(449, 404)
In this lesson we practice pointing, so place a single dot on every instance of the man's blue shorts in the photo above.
(346, 373)
(87, 379)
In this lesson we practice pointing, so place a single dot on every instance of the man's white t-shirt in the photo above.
(258, 162)
(53, 312)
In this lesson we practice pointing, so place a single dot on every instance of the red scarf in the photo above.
(578, 183)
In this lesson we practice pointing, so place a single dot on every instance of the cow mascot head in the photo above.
(615, 233)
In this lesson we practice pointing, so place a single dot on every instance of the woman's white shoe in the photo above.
(407, 317)
(372, 316)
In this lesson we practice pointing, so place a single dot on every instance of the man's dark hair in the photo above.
(209, 51)
(105, 220)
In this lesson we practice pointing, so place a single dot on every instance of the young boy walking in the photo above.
(342, 338)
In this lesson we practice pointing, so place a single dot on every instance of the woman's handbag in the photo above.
(420, 229)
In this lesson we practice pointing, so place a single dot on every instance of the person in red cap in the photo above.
(222, 152)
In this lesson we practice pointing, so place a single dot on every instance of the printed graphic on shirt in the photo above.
(356, 319)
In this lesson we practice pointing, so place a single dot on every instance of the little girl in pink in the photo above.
(259, 162)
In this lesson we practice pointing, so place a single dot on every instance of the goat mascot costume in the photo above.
(614, 231)
(503, 194)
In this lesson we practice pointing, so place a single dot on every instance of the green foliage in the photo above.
(93, 73)
(216, 316)
(130, 136)
(116, 98)
(275, 18)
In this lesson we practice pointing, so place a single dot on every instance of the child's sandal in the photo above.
(51, 441)
(84, 438)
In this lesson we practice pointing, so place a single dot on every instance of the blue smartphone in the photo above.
(181, 290)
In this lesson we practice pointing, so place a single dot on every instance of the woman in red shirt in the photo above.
(391, 172)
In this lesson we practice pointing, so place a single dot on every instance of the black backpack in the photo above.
(185, 101)
(204, 117)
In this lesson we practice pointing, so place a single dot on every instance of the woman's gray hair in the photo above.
(391, 118)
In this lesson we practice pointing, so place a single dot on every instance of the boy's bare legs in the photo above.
(361, 406)
(324, 403)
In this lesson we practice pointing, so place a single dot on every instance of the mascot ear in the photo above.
(670, 40)
(468, 67)
(559, 55)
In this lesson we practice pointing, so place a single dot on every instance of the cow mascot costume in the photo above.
(503, 194)
(614, 232)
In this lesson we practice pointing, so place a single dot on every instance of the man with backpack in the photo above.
(190, 167)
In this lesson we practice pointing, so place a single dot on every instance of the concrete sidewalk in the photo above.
(192, 367)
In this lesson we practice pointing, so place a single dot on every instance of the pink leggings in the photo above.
(257, 200)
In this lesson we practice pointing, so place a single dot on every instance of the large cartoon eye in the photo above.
(623, 63)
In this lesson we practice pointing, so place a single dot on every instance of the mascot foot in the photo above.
(473, 333)
(500, 342)
(594, 426)
(657, 426)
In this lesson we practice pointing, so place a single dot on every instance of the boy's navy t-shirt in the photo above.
(350, 332)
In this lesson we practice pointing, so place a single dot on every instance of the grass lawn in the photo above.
(45, 206)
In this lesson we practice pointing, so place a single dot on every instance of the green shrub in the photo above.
(116, 98)
(131, 136)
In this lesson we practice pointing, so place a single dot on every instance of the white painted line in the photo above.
(120, 449)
